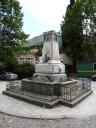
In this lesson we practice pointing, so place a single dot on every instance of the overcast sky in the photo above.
(42, 15)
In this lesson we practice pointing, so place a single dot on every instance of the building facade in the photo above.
(26, 59)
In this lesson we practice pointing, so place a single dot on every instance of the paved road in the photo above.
(17, 122)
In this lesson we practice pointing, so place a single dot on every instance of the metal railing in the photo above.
(66, 92)
(74, 91)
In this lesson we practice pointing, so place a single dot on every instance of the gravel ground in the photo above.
(17, 122)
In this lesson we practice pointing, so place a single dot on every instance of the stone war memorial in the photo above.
(50, 85)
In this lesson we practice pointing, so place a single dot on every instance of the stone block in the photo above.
(49, 77)
(50, 68)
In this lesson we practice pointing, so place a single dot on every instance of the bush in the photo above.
(3, 67)
(11, 64)
(25, 70)
(8, 65)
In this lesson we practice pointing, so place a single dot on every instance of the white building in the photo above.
(26, 59)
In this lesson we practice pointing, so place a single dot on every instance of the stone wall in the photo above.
(48, 88)
(39, 88)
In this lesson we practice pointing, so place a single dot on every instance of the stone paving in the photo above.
(89, 121)
(17, 122)
(16, 107)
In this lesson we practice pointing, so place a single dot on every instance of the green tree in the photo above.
(25, 70)
(72, 2)
(71, 30)
(11, 33)
(74, 27)
(89, 29)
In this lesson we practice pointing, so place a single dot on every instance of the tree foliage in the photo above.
(77, 27)
(11, 33)
(25, 70)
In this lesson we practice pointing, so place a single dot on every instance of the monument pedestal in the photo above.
(55, 68)
(49, 77)
(54, 72)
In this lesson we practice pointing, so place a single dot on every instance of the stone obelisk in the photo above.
(50, 65)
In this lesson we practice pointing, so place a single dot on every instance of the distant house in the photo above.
(26, 59)
(34, 51)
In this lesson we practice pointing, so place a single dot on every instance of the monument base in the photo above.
(49, 94)
(49, 77)
(50, 68)
(48, 88)
(45, 102)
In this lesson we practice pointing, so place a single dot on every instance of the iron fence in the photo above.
(71, 92)
(66, 92)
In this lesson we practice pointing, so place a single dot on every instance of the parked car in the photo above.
(93, 77)
(8, 76)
